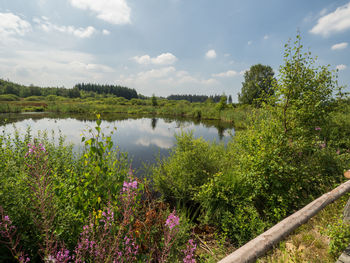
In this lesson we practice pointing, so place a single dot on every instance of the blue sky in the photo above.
(165, 46)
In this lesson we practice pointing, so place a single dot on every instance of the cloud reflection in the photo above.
(163, 143)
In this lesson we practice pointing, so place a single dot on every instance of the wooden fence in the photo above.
(257, 247)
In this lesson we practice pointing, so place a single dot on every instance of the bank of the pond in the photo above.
(143, 139)
(137, 107)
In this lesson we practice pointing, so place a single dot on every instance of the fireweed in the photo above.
(9, 237)
(190, 252)
(170, 232)
(109, 236)
(40, 185)
(108, 241)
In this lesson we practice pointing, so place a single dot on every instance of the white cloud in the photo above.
(337, 21)
(80, 32)
(162, 59)
(341, 67)
(145, 59)
(339, 46)
(160, 142)
(168, 80)
(210, 81)
(229, 73)
(112, 11)
(90, 66)
(249, 42)
(106, 32)
(210, 54)
(266, 37)
(156, 73)
(11, 24)
(31, 62)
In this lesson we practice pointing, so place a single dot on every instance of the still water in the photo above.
(142, 138)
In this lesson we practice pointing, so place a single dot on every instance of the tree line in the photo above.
(197, 98)
(256, 88)
(116, 90)
(22, 91)
(8, 87)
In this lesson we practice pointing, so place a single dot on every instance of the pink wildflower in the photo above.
(189, 252)
(172, 220)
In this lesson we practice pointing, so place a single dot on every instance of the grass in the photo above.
(311, 242)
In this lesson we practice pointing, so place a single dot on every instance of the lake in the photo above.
(143, 138)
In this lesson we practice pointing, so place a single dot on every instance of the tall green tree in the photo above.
(257, 85)
(222, 103)
(154, 101)
(304, 93)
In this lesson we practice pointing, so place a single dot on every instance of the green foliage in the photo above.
(116, 90)
(8, 97)
(222, 103)
(304, 92)
(287, 156)
(257, 85)
(104, 171)
(61, 191)
(154, 101)
(225, 201)
(190, 165)
(34, 98)
(339, 234)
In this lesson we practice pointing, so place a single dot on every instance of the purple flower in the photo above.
(189, 252)
(63, 255)
(33, 149)
(318, 128)
(23, 259)
(128, 186)
(172, 220)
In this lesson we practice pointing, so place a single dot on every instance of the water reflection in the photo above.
(143, 138)
(154, 123)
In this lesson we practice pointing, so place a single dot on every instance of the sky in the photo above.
(165, 47)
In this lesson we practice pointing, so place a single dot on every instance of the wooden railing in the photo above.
(257, 247)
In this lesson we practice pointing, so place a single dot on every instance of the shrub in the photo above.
(339, 234)
(49, 193)
(34, 98)
(190, 165)
(9, 97)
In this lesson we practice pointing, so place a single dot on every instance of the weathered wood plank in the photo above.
(261, 244)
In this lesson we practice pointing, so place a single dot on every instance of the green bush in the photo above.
(190, 165)
(9, 97)
(55, 98)
(282, 161)
(339, 234)
(34, 98)
(225, 202)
